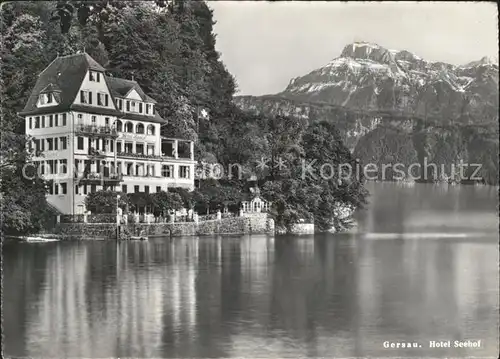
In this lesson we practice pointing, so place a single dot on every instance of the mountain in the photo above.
(378, 97)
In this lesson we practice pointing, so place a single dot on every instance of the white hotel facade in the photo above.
(92, 131)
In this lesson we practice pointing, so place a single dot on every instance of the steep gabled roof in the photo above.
(121, 88)
(65, 73)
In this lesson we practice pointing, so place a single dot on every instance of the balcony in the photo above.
(97, 154)
(146, 156)
(93, 130)
(100, 178)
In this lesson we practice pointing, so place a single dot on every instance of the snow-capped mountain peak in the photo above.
(370, 76)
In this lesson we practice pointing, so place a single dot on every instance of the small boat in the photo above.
(39, 239)
(138, 238)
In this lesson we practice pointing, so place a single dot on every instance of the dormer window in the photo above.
(47, 99)
(94, 76)
(148, 108)
(119, 103)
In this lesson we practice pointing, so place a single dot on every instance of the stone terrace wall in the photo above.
(234, 225)
(86, 230)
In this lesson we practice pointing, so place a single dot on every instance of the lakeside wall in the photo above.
(249, 224)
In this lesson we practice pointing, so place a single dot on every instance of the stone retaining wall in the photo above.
(234, 225)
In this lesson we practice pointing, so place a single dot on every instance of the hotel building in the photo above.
(92, 131)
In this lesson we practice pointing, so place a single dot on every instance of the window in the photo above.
(129, 169)
(64, 143)
(118, 147)
(119, 103)
(136, 189)
(50, 165)
(151, 130)
(37, 122)
(151, 150)
(106, 100)
(51, 120)
(132, 105)
(56, 188)
(128, 106)
(63, 119)
(84, 189)
(50, 98)
(151, 170)
(42, 99)
(63, 165)
(128, 147)
(80, 143)
(124, 188)
(129, 127)
(139, 128)
(119, 126)
(64, 188)
(30, 123)
(184, 171)
(140, 107)
(94, 120)
(77, 189)
(118, 167)
(56, 144)
(56, 120)
(42, 144)
(100, 99)
(84, 97)
(51, 189)
(93, 188)
(50, 144)
(139, 169)
(106, 121)
(94, 76)
(139, 148)
(158, 189)
(148, 108)
(43, 121)
(80, 117)
(167, 171)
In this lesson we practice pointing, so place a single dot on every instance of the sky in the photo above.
(265, 44)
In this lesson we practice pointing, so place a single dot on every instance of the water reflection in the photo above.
(257, 296)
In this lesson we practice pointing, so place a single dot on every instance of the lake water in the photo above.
(422, 266)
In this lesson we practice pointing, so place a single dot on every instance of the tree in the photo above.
(104, 201)
(166, 202)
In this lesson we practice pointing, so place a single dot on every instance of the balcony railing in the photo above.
(149, 156)
(96, 130)
(100, 177)
(96, 153)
